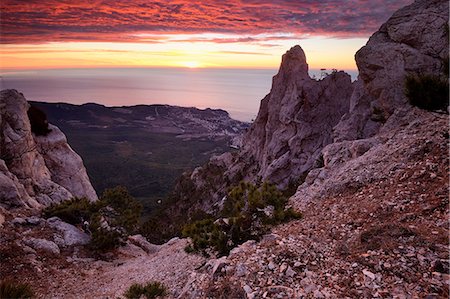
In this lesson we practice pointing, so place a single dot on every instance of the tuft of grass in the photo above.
(13, 290)
(151, 290)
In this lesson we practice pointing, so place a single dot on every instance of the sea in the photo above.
(238, 91)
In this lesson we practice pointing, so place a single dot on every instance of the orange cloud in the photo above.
(35, 21)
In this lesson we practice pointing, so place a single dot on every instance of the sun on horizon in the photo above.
(191, 64)
(216, 34)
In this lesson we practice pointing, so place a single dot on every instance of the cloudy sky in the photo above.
(209, 33)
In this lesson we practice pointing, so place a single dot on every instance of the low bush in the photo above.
(74, 211)
(205, 234)
(247, 214)
(114, 216)
(150, 290)
(13, 290)
(429, 92)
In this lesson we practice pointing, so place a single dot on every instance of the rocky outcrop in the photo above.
(301, 116)
(375, 212)
(294, 124)
(413, 40)
(295, 120)
(36, 171)
(366, 142)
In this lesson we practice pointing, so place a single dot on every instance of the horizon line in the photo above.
(7, 69)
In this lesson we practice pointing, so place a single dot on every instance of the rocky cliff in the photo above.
(375, 210)
(413, 40)
(36, 171)
(302, 120)
(295, 120)
(294, 123)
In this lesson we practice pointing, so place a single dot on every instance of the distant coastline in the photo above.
(237, 91)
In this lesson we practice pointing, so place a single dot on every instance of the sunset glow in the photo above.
(207, 34)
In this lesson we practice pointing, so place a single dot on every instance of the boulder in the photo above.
(68, 235)
(42, 245)
(140, 241)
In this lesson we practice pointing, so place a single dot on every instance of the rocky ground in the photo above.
(386, 237)
(375, 200)
(53, 270)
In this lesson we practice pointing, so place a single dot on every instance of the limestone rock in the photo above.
(69, 234)
(413, 40)
(295, 120)
(65, 166)
(43, 245)
(141, 242)
(294, 124)
(36, 171)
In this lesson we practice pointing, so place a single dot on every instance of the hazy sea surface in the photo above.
(239, 91)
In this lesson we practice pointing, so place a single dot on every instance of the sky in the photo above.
(37, 34)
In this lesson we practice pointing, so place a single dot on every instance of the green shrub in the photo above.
(150, 290)
(104, 239)
(38, 121)
(128, 209)
(205, 234)
(73, 211)
(247, 214)
(429, 92)
(135, 291)
(114, 216)
(12, 290)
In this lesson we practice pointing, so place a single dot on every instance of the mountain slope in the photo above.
(375, 212)
(145, 147)
(301, 117)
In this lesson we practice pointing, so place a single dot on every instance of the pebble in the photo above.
(241, 270)
(18, 221)
(283, 267)
(290, 272)
(247, 289)
(271, 266)
(368, 274)
(318, 294)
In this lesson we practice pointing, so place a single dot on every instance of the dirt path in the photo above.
(100, 279)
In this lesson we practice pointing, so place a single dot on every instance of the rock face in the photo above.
(413, 40)
(301, 116)
(375, 210)
(36, 171)
(294, 123)
(295, 120)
